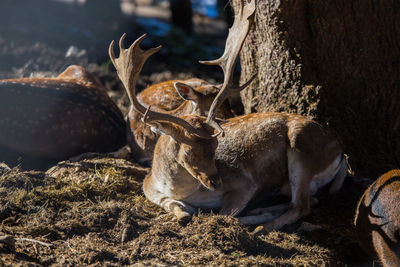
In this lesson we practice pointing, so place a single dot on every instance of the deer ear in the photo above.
(186, 92)
(75, 72)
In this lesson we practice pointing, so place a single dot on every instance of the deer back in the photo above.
(55, 118)
(377, 219)
(256, 145)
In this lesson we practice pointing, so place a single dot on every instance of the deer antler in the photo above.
(128, 66)
(234, 42)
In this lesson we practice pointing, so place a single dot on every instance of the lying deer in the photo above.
(165, 95)
(377, 219)
(249, 158)
(175, 97)
(52, 119)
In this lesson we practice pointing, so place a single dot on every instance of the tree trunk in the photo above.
(336, 61)
(181, 15)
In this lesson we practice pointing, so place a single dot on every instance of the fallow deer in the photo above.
(249, 158)
(52, 119)
(377, 219)
(175, 97)
(164, 95)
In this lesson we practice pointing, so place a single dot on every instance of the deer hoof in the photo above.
(184, 218)
(262, 229)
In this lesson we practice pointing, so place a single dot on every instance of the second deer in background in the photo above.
(45, 120)
(377, 219)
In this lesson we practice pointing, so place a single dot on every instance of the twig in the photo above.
(34, 241)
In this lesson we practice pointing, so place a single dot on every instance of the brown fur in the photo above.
(260, 154)
(377, 219)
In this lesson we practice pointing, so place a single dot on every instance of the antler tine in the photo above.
(128, 66)
(122, 39)
(234, 42)
(240, 88)
(236, 90)
(111, 52)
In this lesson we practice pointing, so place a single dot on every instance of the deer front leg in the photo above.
(263, 215)
(300, 203)
(236, 200)
(122, 153)
(182, 211)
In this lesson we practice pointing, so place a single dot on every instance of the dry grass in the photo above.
(94, 212)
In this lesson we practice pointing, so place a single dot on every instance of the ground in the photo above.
(93, 212)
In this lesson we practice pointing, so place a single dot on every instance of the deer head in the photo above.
(163, 98)
(189, 135)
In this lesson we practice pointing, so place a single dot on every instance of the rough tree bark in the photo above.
(336, 61)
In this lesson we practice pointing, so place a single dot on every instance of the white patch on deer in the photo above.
(205, 199)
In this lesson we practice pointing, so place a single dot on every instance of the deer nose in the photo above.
(215, 180)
